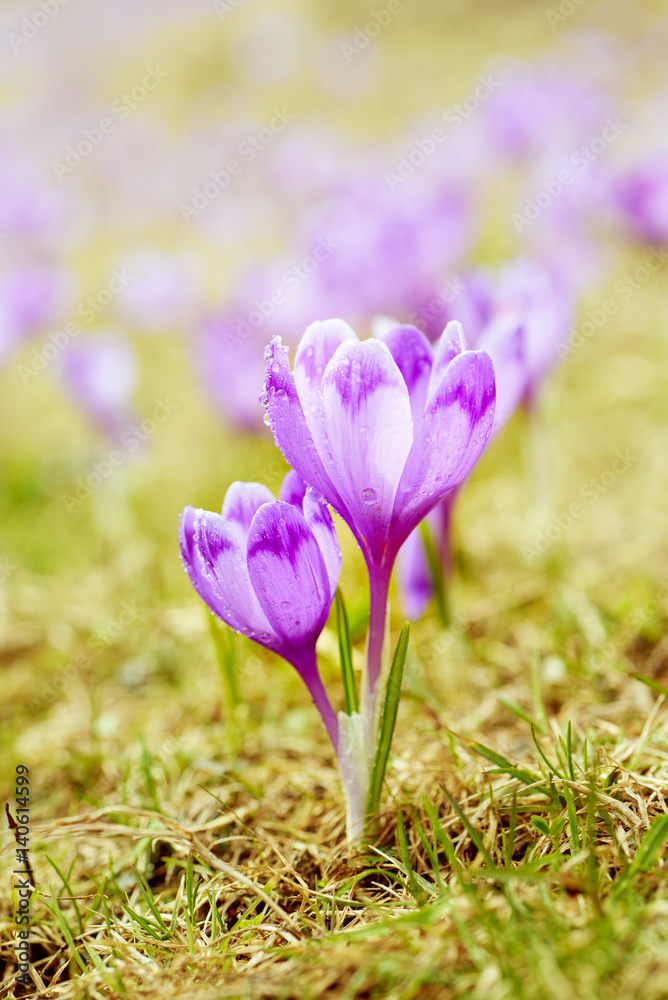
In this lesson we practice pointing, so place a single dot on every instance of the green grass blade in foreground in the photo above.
(224, 647)
(645, 857)
(345, 655)
(654, 685)
(388, 720)
(436, 571)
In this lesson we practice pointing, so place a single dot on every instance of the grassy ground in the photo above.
(187, 850)
(179, 848)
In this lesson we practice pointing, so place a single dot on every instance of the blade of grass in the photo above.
(436, 571)
(540, 750)
(472, 832)
(572, 817)
(345, 655)
(224, 647)
(68, 889)
(67, 933)
(654, 685)
(504, 766)
(646, 854)
(516, 709)
(419, 894)
(443, 838)
(148, 899)
(145, 766)
(388, 720)
(539, 707)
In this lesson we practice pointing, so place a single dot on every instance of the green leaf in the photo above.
(444, 840)
(572, 819)
(654, 685)
(224, 648)
(472, 832)
(504, 766)
(67, 933)
(345, 655)
(512, 706)
(419, 894)
(541, 825)
(540, 750)
(387, 722)
(646, 854)
(557, 826)
(436, 571)
(539, 707)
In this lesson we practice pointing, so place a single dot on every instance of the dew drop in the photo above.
(285, 605)
(369, 496)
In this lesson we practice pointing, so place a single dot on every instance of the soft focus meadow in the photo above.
(180, 185)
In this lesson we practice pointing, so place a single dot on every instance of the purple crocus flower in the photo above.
(100, 375)
(384, 429)
(528, 313)
(504, 339)
(269, 569)
(642, 199)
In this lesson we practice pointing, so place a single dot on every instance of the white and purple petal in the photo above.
(449, 440)
(216, 564)
(293, 489)
(365, 437)
(288, 423)
(451, 343)
(505, 342)
(241, 502)
(316, 349)
(288, 574)
(413, 355)
(321, 524)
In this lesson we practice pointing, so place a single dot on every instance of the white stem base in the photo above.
(354, 768)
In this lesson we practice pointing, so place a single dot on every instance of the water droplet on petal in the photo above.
(369, 496)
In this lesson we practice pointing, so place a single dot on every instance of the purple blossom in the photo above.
(31, 294)
(269, 569)
(528, 313)
(383, 429)
(392, 246)
(642, 199)
(100, 374)
(504, 340)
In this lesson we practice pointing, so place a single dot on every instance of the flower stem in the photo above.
(379, 585)
(308, 668)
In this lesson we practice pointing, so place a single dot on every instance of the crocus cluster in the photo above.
(381, 430)
(522, 321)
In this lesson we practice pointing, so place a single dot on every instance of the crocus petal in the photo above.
(193, 563)
(365, 437)
(288, 423)
(504, 341)
(288, 573)
(321, 524)
(239, 506)
(316, 349)
(451, 343)
(413, 355)
(293, 489)
(216, 565)
(453, 432)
